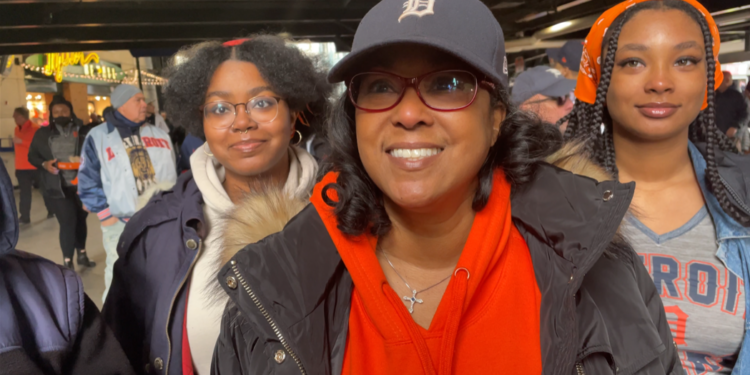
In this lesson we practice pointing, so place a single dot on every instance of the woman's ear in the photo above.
(498, 116)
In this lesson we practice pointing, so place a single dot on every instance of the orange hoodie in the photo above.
(487, 323)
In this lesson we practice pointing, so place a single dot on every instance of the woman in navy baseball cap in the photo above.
(440, 241)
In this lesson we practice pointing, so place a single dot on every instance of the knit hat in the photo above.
(122, 94)
(59, 99)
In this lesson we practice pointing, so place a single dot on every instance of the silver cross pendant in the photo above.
(413, 299)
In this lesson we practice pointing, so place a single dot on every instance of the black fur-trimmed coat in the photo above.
(600, 311)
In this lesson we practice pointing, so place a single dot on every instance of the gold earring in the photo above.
(300, 138)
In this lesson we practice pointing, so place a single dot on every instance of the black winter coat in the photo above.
(600, 312)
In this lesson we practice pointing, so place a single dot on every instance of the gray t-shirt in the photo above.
(704, 301)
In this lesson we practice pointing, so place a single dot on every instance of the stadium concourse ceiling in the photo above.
(36, 26)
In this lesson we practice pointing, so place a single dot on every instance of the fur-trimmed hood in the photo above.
(259, 215)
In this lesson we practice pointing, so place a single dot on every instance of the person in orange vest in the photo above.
(26, 174)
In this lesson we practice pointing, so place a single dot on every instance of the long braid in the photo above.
(712, 136)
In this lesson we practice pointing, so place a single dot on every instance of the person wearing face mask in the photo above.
(56, 151)
(123, 159)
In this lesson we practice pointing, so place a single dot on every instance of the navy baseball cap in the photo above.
(466, 29)
(541, 80)
(569, 55)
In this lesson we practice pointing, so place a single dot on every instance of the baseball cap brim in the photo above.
(560, 88)
(554, 53)
(346, 67)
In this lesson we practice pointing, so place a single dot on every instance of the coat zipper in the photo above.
(579, 368)
(268, 317)
(171, 304)
(736, 196)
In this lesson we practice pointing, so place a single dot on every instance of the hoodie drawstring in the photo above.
(458, 297)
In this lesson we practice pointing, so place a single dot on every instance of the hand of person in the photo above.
(85, 208)
(17, 140)
(109, 222)
(49, 166)
(731, 132)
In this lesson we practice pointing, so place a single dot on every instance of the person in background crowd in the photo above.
(742, 137)
(49, 325)
(544, 91)
(567, 59)
(56, 151)
(689, 220)
(123, 159)
(154, 118)
(26, 173)
(170, 252)
(440, 242)
(188, 146)
(94, 119)
(731, 110)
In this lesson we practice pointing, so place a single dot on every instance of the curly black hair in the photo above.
(584, 122)
(293, 75)
(524, 142)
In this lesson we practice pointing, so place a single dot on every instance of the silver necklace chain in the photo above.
(413, 299)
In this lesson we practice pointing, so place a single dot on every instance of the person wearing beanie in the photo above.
(442, 239)
(123, 159)
(55, 150)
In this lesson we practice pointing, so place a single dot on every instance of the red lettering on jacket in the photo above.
(110, 154)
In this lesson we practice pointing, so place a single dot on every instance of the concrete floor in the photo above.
(41, 238)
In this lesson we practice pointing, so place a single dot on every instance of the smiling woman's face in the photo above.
(418, 156)
(246, 148)
(659, 77)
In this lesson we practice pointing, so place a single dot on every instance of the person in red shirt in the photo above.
(26, 173)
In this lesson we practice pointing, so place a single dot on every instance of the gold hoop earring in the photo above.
(207, 153)
(300, 138)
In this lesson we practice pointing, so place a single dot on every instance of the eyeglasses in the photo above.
(221, 115)
(446, 90)
(561, 100)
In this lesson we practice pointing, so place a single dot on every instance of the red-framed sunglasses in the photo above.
(443, 90)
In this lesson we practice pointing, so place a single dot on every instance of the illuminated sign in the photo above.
(57, 61)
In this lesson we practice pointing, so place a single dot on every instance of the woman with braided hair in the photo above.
(646, 114)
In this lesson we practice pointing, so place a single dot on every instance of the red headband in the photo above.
(235, 42)
(590, 70)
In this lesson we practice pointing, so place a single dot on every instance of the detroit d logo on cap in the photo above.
(417, 8)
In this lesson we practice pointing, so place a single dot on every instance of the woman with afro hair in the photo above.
(247, 98)
(645, 113)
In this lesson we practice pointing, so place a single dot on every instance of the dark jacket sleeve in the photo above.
(741, 109)
(124, 314)
(669, 359)
(90, 186)
(96, 351)
(36, 157)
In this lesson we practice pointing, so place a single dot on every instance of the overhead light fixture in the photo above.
(98, 98)
(28, 97)
(38, 97)
(560, 26)
(571, 4)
